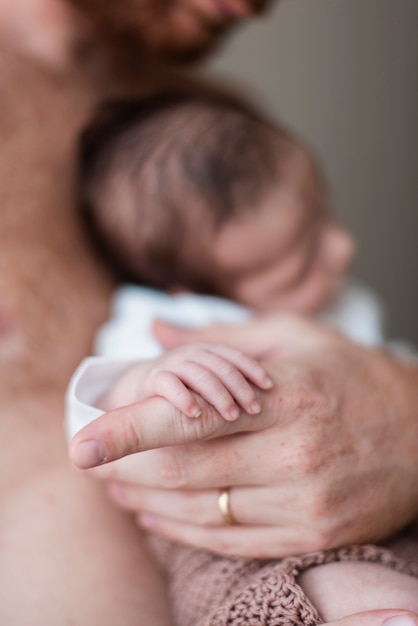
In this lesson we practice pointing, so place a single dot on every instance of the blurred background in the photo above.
(344, 75)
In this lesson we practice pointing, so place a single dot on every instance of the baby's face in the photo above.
(289, 254)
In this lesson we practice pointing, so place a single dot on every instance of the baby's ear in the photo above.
(169, 335)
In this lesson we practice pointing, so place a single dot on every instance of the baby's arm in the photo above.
(222, 375)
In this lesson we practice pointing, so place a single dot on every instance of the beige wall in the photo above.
(344, 74)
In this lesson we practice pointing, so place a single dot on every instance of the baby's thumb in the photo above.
(378, 618)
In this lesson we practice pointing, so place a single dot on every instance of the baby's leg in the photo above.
(343, 588)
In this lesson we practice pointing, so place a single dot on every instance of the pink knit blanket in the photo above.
(207, 589)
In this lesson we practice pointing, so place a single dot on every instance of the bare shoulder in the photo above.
(54, 291)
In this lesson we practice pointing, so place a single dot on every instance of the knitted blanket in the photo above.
(208, 589)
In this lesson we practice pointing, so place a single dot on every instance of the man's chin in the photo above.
(187, 56)
(182, 52)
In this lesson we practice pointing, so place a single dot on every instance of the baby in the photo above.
(195, 195)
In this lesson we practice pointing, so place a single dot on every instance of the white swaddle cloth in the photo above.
(127, 336)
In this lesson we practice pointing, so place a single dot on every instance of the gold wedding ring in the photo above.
(224, 506)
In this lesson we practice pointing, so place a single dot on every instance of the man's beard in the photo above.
(133, 28)
(178, 53)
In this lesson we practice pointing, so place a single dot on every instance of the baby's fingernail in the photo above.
(401, 620)
(255, 407)
(195, 411)
(267, 382)
(89, 454)
(233, 413)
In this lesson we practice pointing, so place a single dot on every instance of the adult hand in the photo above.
(331, 459)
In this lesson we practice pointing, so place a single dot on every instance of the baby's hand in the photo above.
(222, 375)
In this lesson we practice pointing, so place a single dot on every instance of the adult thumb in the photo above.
(387, 617)
(276, 334)
(149, 424)
(171, 336)
(255, 337)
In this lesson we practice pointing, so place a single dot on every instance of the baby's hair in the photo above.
(158, 174)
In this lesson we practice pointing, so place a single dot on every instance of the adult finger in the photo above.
(220, 461)
(254, 337)
(152, 423)
(278, 333)
(263, 542)
(248, 505)
(378, 618)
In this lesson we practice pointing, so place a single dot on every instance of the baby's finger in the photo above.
(200, 379)
(169, 386)
(252, 369)
(230, 376)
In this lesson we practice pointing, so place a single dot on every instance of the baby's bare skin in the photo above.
(340, 589)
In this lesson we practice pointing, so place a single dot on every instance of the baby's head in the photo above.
(201, 194)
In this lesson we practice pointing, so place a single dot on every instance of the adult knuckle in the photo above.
(306, 459)
(316, 506)
(314, 459)
(172, 473)
(194, 511)
(323, 525)
(319, 537)
(313, 399)
(307, 396)
(200, 429)
(132, 435)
